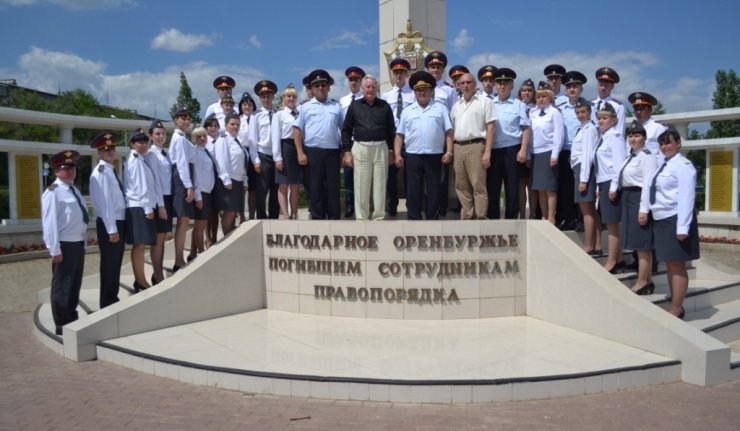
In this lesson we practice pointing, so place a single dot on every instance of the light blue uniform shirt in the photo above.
(424, 128)
(512, 115)
(571, 123)
(320, 124)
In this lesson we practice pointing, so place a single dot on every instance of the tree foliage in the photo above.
(185, 97)
(727, 95)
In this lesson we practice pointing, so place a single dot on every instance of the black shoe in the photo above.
(138, 287)
(634, 266)
(683, 314)
(191, 257)
(392, 211)
(616, 269)
(154, 281)
(58, 331)
(567, 225)
(647, 289)
(175, 268)
(580, 227)
(457, 209)
(595, 253)
(443, 212)
(349, 213)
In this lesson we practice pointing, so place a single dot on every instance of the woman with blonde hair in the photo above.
(547, 140)
(288, 171)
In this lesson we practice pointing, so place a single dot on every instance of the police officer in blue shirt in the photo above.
(318, 143)
(566, 214)
(426, 131)
(509, 152)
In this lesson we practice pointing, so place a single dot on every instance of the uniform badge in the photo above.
(101, 168)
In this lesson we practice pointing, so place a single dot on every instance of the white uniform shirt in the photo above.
(182, 154)
(637, 171)
(159, 162)
(214, 108)
(618, 108)
(345, 101)
(674, 192)
(610, 155)
(139, 184)
(582, 151)
(282, 128)
(61, 216)
(106, 196)
(243, 135)
(230, 159)
(204, 177)
(407, 97)
(469, 119)
(653, 129)
(259, 134)
(547, 130)
(445, 94)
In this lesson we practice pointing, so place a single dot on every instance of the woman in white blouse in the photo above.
(287, 169)
(232, 159)
(547, 140)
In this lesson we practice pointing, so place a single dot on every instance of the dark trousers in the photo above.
(266, 184)
(504, 169)
(349, 188)
(566, 209)
(323, 178)
(66, 281)
(421, 168)
(111, 257)
(444, 187)
(391, 187)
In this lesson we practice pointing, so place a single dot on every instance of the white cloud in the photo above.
(174, 40)
(462, 41)
(73, 4)
(681, 95)
(48, 70)
(347, 39)
(254, 42)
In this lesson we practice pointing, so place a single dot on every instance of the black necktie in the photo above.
(213, 162)
(120, 185)
(353, 98)
(270, 117)
(399, 103)
(85, 217)
(542, 112)
(164, 153)
(294, 113)
(598, 145)
(621, 171)
(459, 95)
(598, 107)
(246, 155)
(579, 129)
(653, 187)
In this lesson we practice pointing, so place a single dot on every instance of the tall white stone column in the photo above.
(427, 16)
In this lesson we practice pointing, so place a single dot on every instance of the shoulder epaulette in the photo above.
(616, 101)
(562, 103)
(447, 83)
(334, 100)
(646, 151)
(136, 155)
(53, 186)
(686, 161)
(307, 100)
(101, 168)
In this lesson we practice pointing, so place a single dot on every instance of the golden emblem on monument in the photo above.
(411, 47)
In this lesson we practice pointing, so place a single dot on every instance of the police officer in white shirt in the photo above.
(260, 151)
(606, 78)
(109, 201)
(64, 219)
(223, 85)
(642, 104)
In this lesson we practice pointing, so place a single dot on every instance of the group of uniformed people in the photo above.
(570, 150)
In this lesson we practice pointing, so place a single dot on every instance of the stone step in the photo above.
(722, 321)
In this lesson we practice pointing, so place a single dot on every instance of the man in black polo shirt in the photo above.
(369, 121)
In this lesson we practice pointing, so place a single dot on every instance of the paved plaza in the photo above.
(43, 391)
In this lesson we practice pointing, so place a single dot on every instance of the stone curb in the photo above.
(38, 254)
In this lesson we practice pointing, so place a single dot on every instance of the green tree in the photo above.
(727, 95)
(185, 97)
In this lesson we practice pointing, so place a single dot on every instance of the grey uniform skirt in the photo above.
(228, 200)
(164, 226)
(205, 212)
(611, 211)
(140, 230)
(544, 177)
(590, 194)
(291, 173)
(632, 236)
(667, 246)
(180, 208)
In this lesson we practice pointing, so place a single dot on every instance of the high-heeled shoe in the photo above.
(595, 252)
(175, 268)
(617, 268)
(647, 289)
(683, 313)
(191, 257)
(138, 287)
(154, 281)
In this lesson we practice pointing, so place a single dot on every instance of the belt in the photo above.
(632, 189)
(471, 141)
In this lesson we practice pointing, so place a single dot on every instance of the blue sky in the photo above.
(129, 53)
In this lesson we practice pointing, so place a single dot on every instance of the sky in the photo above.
(129, 53)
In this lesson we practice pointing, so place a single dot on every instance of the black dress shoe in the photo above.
(175, 268)
(457, 209)
(568, 225)
(392, 211)
(616, 269)
(635, 265)
(349, 213)
(191, 257)
(443, 212)
(683, 314)
(580, 227)
(595, 252)
(58, 331)
(138, 287)
(647, 289)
